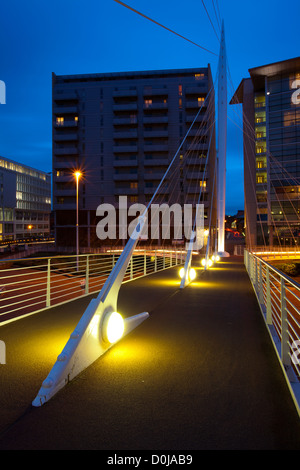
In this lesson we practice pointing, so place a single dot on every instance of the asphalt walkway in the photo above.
(200, 373)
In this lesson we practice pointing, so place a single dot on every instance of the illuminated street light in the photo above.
(77, 175)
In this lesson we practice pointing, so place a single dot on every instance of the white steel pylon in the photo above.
(222, 143)
(89, 340)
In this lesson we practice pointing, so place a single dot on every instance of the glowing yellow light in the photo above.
(181, 273)
(77, 174)
(192, 274)
(203, 262)
(217, 258)
(210, 263)
(113, 327)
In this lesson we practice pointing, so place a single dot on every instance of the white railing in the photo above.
(276, 252)
(278, 297)
(32, 284)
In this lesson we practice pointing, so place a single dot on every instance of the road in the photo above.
(199, 374)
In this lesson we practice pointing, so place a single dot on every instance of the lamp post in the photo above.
(77, 176)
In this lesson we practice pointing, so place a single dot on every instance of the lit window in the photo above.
(133, 185)
(180, 90)
(199, 76)
(200, 100)
(148, 103)
(59, 121)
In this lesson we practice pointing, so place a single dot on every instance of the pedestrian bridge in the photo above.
(200, 373)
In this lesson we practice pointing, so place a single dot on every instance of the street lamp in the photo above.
(77, 175)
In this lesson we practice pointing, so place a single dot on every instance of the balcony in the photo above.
(150, 106)
(66, 151)
(61, 110)
(66, 124)
(69, 96)
(149, 91)
(125, 176)
(125, 149)
(125, 121)
(155, 148)
(155, 119)
(64, 192)
(131, 134)
(190, 117)
(65, 137)
(120, 163)
(126, 191)
(64, 164)
(154, 176)
(194, 104)
(125, 107)
(199, 146)
(125, 93)
(155, 134)
(196, 90)
(156, 161)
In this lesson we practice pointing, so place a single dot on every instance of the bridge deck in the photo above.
(200, 373)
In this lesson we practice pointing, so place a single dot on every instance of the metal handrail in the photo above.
(33, 284)
(280, 306)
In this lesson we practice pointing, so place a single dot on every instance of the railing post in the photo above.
(171, 258)
(87, 274)
(176, 256)
(145, 262)
(131, 267)
(261, 292)
(256, 276)
(285, 358)
(164, 260)
(48, 294)
(268, 297)
(155, 261)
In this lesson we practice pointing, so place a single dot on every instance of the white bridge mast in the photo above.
(222, 142)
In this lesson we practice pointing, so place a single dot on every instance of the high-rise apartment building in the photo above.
(122, 130)
(271, 128)
(25, 201)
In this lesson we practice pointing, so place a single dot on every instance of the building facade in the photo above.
(271, 128)
(25, 202)
(121, 130)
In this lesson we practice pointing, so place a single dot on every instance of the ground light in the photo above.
(113, 327)
(208, 264)
(191, 274)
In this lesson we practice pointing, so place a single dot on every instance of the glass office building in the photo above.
(25, 201)
(271, 125)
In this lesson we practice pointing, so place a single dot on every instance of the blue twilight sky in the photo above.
(39, 37)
